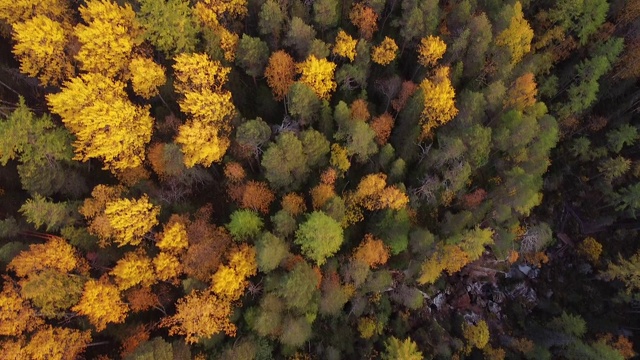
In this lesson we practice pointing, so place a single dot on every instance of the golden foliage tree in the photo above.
(321, 194)
(133, 269)
(55, 254)
(167, 266)
(102, 304)
(146, 76)
(318, 75)
(16, 316)
(475, 335)
(40, 47)
(200, 314)
(17, 11)
(230, 281)
(439, 101)
(522, 94)
(591, 249)
(174, 237)
(57, 343)
(371, 251)
(105, 122)
(129, 220)
(365, 19)
(109, 37)
(340, 158)
(280, 73)
(517, 37)
(345, 46)
(430, 50)
(384, 53)
(204, 138)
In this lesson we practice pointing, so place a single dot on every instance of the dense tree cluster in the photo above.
(269, 179)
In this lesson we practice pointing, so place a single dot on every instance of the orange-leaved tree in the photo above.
(280, 73)
(365, 19)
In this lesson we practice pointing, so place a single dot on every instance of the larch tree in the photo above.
(199, 315)
(146, 76)
(107, 125)
(439, 101)
(16, 315)
(522, 94)
(517, 37)
(133, 269)
(384, 53)
(102, 304)
(204, 138)
(55, 254)
(41, 48)
(57, 343)
(108, 38)
(169, 25)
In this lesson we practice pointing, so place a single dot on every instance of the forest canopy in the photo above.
(289, 179)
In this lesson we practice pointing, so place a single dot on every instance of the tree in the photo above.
(522, 94)
(299, 37)
(302, 102)
(476, 335)
(14, 12)
(245, 224)
(102, 304)
(280, 73)
(230, 281)
(345, 46)
(517, 37)
(252, 55)
(128, 220)
(384, 53)
(285, 163)
(55, 254)
(270, 251)
(40, 211)
(40, 47)
(382, 126)
(257, 196)
(167, 266)
(146, 76)
(625, 270)
(293, 204)
(106, 124)
(326, 13)
(582, 17)
(15, 313)
(169, 25)
(318, 75)
(365, 19)
(52, 291)
(204, 137)
(41, 148)
(200, 315)
(271, 19)
(401, 349)
(119, 32)
(57, 343)
(371, 251)
(439, 101)
(299, 287)
(430, 50)
(319, 237)
(174, 237)
(316, 148)
(133, 269)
